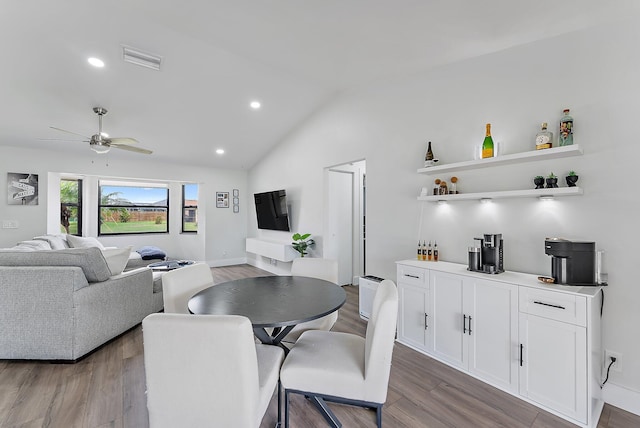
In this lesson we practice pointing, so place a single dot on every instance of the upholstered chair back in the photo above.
(180, 284)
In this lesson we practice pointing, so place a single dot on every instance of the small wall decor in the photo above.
(22, 188)
(236, 201)
(222, 199)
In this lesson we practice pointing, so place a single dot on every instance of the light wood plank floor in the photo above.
(106, 389)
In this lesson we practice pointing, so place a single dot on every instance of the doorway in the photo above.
(345, 212)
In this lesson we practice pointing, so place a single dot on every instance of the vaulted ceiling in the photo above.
(219, 55)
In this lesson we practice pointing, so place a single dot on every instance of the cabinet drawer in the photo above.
(413, 275)
(556, 306)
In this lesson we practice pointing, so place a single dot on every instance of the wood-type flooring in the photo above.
(107, 389)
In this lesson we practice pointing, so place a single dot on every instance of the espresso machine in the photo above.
(488, 258)
(572, 262)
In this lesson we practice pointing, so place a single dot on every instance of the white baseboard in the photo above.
(624, 398)
(227, 262)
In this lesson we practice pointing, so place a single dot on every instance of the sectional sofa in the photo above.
(61, 304)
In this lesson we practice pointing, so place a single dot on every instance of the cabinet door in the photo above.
(493, 335)
(449, 342)
(553, 369)
(413, 319)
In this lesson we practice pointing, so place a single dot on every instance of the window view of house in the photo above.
(125, 208)
(190, 208)
(71, 206)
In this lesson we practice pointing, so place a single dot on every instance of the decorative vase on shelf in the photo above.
(539, 182)
(572, 178)
(552, 181)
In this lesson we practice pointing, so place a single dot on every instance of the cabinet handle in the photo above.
(425, 321)
(464, 324)
(469, 325)
(549, 304)
(521, 349)
(412, 276)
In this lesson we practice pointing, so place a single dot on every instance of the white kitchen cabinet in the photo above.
(475, 326)
(539, 342)
(414, 327)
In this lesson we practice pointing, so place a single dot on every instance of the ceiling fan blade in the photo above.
(131, 148)
(123, 141)
(69, 132)
(63, 139)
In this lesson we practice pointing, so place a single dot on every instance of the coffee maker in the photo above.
(572, 262)
(488, 258)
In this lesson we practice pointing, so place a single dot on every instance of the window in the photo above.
(132, 208)
(189, 208)
(71, 206)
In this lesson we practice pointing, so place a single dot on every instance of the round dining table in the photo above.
(278, 302)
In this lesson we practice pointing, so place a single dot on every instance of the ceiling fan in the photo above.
(101, 143)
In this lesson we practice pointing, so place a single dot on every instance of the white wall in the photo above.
(593, 72)
(220, 239)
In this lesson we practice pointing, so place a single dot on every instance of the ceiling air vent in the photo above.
(137, 57)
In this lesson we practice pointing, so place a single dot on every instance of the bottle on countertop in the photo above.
(544, 138)
(419, 251)
(487, 144)
(429, 252)
(436, 254)
(565, 138)
(424, 251)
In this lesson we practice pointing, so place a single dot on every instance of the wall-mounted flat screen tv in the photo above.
(271, 210)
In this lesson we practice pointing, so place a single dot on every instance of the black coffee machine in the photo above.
(572, 262)
(488, 258)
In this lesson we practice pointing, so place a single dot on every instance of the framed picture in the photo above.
(236, 193)
(22, 188)
(236, 209)
(222, 199)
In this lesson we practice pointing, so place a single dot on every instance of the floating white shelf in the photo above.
(271, 249)
(536, 155)
(528, 193)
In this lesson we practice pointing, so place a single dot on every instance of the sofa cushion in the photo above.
(32, 245)
(116, 258)
(90, 260)
(57, 242)
(83, 242)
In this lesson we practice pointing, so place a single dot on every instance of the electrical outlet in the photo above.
(9, 224)
(617, 366)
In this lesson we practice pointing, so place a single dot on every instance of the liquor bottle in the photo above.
(428, 157)
(487, 144)
(429, 252)
(424, 251)
(419, 251)
(565, 138)
(544, 138)
(435, 252)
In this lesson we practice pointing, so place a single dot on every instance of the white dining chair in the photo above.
(326, 269)
(345, 368)
(180, 284)
(206, 371)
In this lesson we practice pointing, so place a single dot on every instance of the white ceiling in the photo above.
(218, 55)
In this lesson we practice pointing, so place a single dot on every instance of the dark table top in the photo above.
(271, 301)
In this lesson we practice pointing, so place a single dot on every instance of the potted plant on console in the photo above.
(301, 243)
(571, 178)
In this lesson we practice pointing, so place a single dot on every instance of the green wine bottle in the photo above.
(487, 144)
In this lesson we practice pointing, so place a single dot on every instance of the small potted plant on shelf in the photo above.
(538, 180)
(552, 181)
(301, 243)
(571, 178)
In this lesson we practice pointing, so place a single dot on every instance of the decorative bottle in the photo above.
(487, 144)
(544, 138)
(424, 251)
(429, 252)
(435, 251)
(419, 251)
(428, 157)
(565, 138)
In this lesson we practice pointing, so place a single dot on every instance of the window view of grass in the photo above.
(131, 209)
(70, 206)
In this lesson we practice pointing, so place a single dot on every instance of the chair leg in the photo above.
(379, 416)
(279, 404)
(286, 408)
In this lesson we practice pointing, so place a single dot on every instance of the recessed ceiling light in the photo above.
(220, 151)
(96, 62)
(255, 105)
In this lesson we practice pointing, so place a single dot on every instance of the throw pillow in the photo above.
(116, 258)
(83, 242)
(35, 245)
(57, 242)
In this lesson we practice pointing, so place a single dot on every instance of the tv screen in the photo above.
(271, 210)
